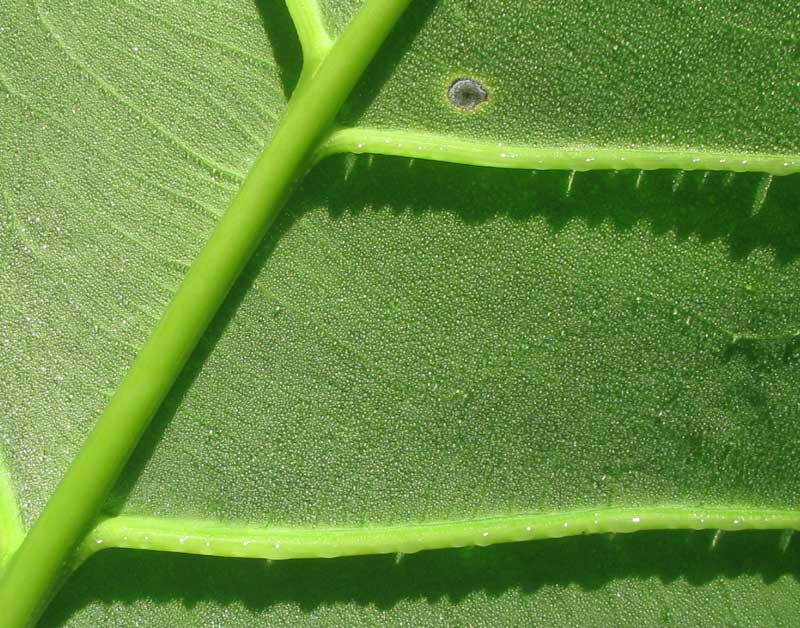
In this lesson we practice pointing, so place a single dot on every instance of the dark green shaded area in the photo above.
(423, 341)
(643, 579)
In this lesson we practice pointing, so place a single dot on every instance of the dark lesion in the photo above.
(467, 93)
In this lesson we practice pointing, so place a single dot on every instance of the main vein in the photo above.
(11, 530)
(38, 566)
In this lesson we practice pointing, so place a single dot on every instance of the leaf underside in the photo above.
(417, 342)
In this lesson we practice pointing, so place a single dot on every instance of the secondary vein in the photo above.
(211, 538)
(314, 38)
(435, 147)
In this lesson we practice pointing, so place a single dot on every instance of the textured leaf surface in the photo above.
(688, 74)
(416, 342)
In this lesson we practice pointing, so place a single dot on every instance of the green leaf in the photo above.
(571, 309)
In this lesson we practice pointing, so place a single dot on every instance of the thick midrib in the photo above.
(11, 529)
(39, 564)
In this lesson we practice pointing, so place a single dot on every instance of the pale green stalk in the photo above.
(431, 146)
(45, 555)
(314, 39)
(11, 530)
(276, 543)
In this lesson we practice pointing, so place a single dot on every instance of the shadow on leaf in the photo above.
(710, 207)
(706, 205)
(282, 37)
(592, 563)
